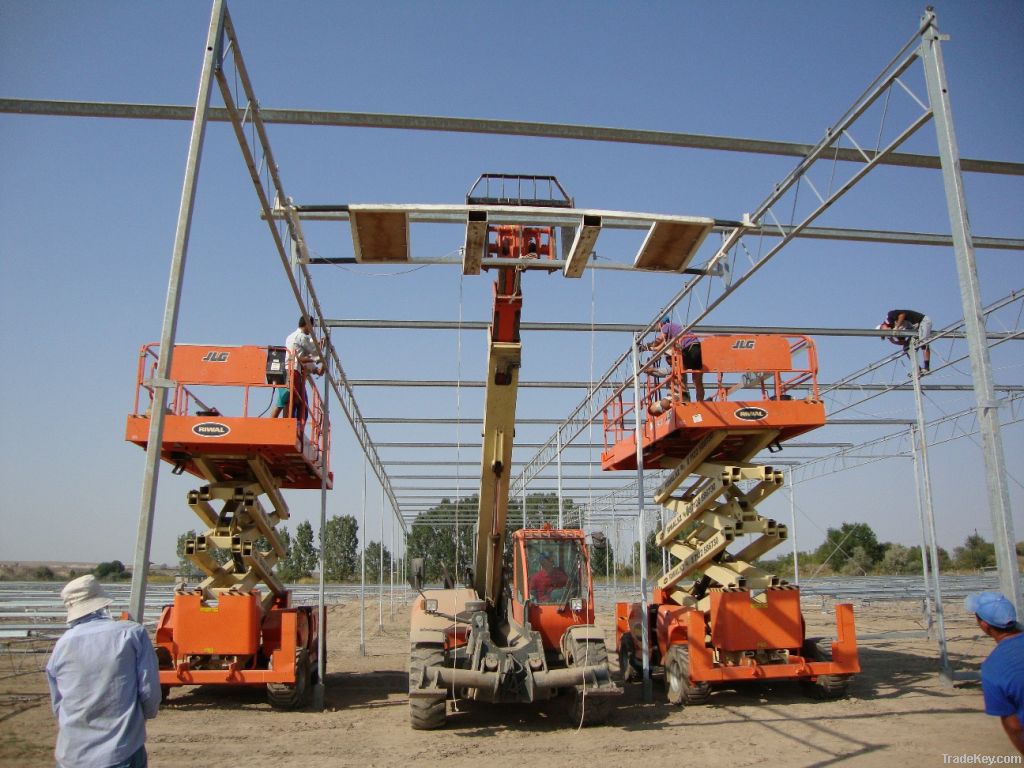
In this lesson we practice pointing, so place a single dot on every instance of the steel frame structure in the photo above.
(733, 264)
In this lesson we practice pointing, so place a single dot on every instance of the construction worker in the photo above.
(689, 345)
(303, 355)
(1002, 673)
(909, 320)
(549, 578)
(104, 683)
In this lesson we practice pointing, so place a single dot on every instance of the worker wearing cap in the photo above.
(1002, 673)
(104, 683)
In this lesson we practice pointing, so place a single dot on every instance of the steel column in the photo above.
(925, 550)
(792, 529)
(147, 507)
(970, 293)
(558, 458)
(645, 641)
(926, 484)
(321, 643)
(362, 569)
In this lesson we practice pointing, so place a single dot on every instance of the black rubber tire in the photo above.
(584, 709)
(286, 696)
(678, 688)
(825, 687)
(164, 661)
(426, 713)
(627, 660)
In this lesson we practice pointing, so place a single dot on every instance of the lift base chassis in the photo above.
(484, 670)
(740, 639)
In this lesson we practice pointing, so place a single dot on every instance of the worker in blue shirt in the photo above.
(1002, 673)
(104, 683)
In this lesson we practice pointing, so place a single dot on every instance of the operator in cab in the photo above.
(549, 578)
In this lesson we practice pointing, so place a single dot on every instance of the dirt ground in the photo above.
(898, 712)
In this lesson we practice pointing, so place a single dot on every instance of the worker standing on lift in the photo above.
(689, 345)
(303, 354)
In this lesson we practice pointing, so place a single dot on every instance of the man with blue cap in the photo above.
(1002, 673)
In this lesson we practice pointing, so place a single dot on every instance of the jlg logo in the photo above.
(216, 357)
(744, 344)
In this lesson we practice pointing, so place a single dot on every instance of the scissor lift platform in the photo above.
(785, 403)
(201, 440)
(735, 621)
(226, 630)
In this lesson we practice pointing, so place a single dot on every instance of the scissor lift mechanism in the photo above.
(735, 621)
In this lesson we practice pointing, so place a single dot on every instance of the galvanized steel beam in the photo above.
(136, 111)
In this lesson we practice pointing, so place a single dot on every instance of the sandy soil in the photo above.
(898, 713)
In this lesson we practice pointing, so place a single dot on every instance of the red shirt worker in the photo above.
(549, 578)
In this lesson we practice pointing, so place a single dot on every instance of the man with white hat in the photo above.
(1002, 673)
(104, 683)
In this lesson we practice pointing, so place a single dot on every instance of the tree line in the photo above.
(342, 559)
(443, 536)
(853, 549)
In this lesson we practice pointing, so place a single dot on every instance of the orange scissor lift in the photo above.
(731, 621)
(238, 626)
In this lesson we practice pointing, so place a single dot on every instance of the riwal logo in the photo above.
(216, 357)
(211, 429)
(750, 413)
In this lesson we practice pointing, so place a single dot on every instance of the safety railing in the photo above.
(790, 371)
(304, 404)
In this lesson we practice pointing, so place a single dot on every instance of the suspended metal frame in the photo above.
(725, 273)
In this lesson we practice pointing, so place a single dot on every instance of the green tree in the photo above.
(541, 508)
(302, 556)
(653, 555)
(945, 561)
(185, 564)
(111, 571)
(899, 560)
(840, 544)
(306, 554)
(340, 546)
(442, 544)
(975, 554)
(373, 562)
(602, 556)
(859, 563)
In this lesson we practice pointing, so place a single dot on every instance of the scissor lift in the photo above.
(734, 621)
(238, 626)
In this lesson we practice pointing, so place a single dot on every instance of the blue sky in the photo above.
(90, 207)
